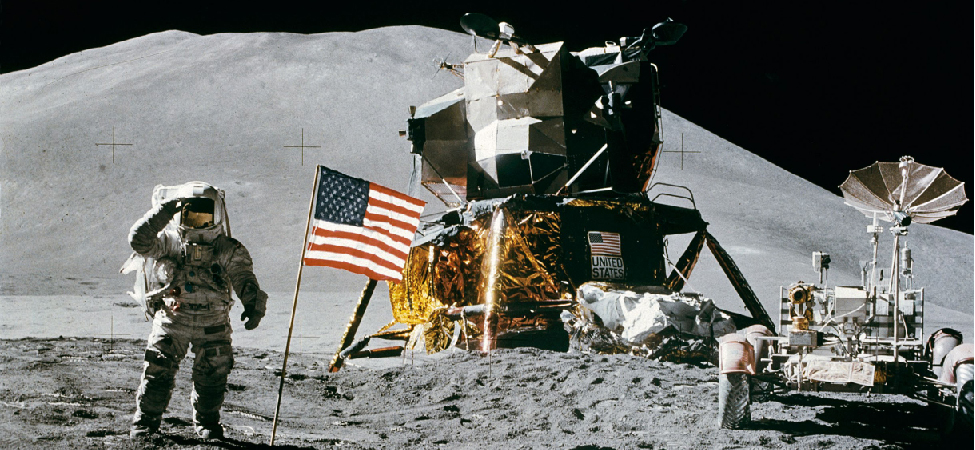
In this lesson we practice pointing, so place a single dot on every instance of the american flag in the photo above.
(604, 243)
(361, 227)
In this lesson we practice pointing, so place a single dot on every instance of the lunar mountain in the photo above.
(87, 136)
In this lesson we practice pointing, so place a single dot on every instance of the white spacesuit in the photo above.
(184, 244)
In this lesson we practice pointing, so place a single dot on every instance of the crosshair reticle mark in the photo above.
(681, 151)
(303, 146)
(113, 144)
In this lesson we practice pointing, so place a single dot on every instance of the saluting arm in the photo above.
(144, 235)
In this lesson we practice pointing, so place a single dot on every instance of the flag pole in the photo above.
(294, 305)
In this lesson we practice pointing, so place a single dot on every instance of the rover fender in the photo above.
(736, 365)
(939, 344)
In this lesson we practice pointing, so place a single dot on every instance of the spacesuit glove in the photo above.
(165, 212)
(144, 231)
(251, 318)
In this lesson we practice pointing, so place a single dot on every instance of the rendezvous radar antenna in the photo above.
(902, 193)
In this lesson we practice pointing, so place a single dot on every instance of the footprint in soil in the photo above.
(100, 433)
(85, 414)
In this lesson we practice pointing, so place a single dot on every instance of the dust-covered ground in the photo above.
(79, 393)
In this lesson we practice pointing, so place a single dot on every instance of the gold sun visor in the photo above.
(201, 204)
(197, 213)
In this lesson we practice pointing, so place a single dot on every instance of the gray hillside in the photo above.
(221, 108)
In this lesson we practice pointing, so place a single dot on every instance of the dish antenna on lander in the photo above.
(902, 193)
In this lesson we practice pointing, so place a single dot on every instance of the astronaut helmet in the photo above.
(202, 215)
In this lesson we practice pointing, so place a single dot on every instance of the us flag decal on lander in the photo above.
(607, 261)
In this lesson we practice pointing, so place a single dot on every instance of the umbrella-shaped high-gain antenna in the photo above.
(901, 192)
(904, 192)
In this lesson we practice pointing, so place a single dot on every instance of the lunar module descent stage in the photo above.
(545, 159)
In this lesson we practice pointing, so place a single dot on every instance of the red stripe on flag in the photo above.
(358, 254)
(392, 222)
(609, 245)
(398, 195)
(323, 233)
(351, 268)
(398, 209)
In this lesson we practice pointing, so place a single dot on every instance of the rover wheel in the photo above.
(956, 423)
(734, 400)
(963, 411)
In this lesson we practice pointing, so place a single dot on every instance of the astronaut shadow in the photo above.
(177, 422)
(912, 425)
(227, 442)
(230, 443)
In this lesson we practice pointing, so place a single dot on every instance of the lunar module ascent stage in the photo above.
(544, 160)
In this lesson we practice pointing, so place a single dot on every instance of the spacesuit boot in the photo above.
(166, 349)
(213, 361)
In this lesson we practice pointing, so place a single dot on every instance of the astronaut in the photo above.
(186, 238)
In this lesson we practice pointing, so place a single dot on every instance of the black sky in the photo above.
(818, 88)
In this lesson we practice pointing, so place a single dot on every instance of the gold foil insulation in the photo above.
(529, 261)
(454, 271)
(413, 299)
(438, 333)
(528, 258)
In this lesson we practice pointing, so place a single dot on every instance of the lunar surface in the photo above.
(254, 114)
(78, 393)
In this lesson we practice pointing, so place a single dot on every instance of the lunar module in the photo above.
(545, 160)
(868, 337)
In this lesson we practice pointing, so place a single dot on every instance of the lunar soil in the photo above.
(74, 393)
